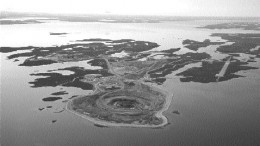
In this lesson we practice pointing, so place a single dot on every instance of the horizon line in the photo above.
(113, 14)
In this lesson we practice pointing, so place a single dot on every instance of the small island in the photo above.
(135, 105)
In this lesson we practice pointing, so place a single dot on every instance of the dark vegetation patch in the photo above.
(195, 45)
(172, 50)
(40, 109)
(73, 80)
(176, 112)
(77, 83)
(100, 126)
(128, 83)
(207, 73)
(37, 62)
(159, 81)
(12, 49)
(234, 54)
(243, 43)
(98, 62)
(73, 96)
(51, 98)
(60, 93)
(158, 75)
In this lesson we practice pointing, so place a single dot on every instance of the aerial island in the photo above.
(126, 87)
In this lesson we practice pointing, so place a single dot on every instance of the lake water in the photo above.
(224, 113)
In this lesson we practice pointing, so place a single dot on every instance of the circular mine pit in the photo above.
(123, 103)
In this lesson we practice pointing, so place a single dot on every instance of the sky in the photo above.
(238, 8)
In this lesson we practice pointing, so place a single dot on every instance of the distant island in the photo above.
(235, 25)
(58, 33)
(11, 22)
